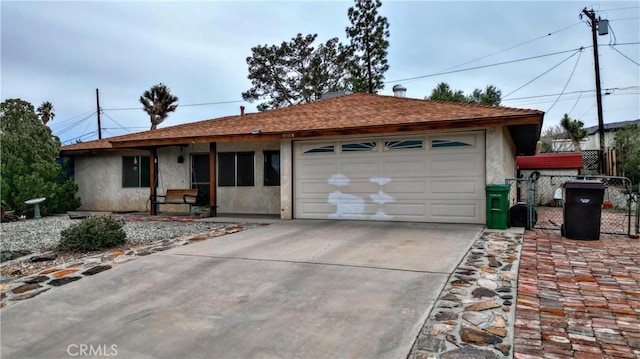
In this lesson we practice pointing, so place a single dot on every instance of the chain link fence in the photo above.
(544, 193)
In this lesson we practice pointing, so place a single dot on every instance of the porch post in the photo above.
(153, 162)
(213, 164)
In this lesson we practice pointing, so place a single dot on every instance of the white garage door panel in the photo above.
(406, 186)
(468, 187)
(354, 168)
(454, 212)
(455, 166)
(443, 181)
(407, 167)
(417, 210)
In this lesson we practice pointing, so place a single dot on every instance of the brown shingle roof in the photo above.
(356, 112)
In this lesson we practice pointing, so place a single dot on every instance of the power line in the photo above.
(625, 18)
(576, 103)
(625, 56)
(187, 105)
(484, 66)
(64, 122)
(116, 122)
(502, 63)
(620, 8)
(73, 125)
(544, 73)
(79, 137)
(572, 92)
(568, 80)
(514, 46)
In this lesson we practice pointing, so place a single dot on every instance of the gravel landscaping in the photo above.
(22, 241)
(38, 235)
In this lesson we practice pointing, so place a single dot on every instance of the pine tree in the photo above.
(295, 71)
(369, 34)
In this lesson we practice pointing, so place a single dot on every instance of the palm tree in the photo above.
(158, 102)
(575, 130)
(45, 111)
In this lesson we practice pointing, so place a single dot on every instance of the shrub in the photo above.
(29, 167)
(93, 233)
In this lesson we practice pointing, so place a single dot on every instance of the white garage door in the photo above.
(423, 178)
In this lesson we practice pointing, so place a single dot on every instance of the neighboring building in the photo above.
(555, 168)
(592, 142)
(358, 156)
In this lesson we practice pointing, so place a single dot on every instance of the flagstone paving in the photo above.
(578, 299)
(474, 315)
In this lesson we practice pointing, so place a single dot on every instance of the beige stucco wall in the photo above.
(500, 158)
(500, 155)
(258, 199)
(286, 179)
(99, 179)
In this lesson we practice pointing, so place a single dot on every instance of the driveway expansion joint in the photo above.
(307, 262)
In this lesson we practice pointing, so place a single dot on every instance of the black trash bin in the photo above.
(582, 209)
(519, 216)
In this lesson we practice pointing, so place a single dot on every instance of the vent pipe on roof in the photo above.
(399, 91)
(241, 110)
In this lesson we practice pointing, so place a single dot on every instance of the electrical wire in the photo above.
(187, 105)
(489, 65)
(613, 40)
(574, 92)
(513, 47)
(65, 122)
(576, 103)
(620, 8)
(74, 125)
(79, 137)
(544, 73)
(116, 122)
(568, 80)
(625, 56)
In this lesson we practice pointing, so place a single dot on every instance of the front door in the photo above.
(200, 177)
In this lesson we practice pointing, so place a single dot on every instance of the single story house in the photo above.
(592, 142)
(357, 156)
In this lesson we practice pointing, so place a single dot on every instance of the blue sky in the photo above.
(62, 51)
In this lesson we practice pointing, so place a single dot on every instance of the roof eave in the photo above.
(532, 119)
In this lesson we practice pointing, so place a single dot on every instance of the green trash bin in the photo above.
(498, 206)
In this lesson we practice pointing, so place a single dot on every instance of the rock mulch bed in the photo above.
(89, 265)
(474, 315)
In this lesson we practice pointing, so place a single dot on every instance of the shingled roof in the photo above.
(349, 114)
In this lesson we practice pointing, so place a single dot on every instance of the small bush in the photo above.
(93, 233)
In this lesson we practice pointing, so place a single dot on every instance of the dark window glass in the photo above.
(272, 168)
(145, 169)
(135, 171)
(245, 165)
(226, 169)
(200, 177)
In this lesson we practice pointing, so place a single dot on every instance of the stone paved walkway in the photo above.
(578, 299)
(474, 314)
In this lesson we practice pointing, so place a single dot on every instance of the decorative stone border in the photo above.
(474, 315)
(33, 285)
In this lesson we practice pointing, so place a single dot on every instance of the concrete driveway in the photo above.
(309, 289)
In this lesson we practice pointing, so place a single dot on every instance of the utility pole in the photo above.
(98, 110)
(594, 28)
